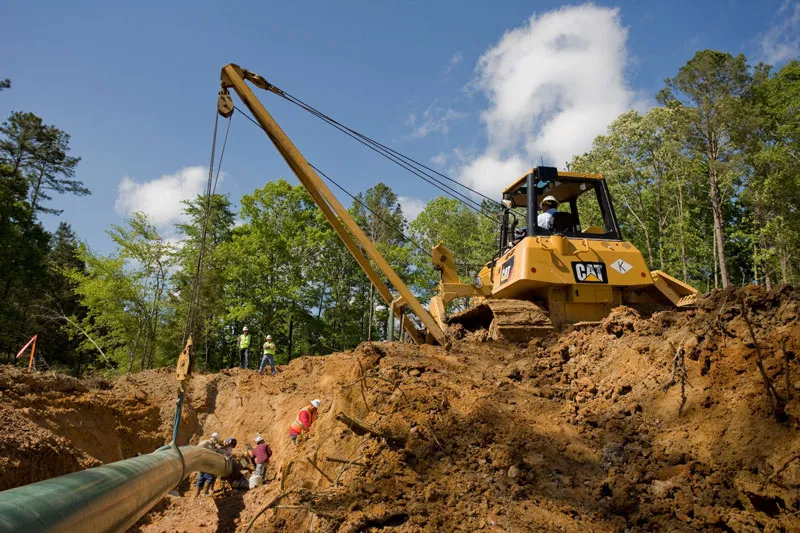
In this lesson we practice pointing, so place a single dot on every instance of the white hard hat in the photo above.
(259, 438)
(316, 403)
(215, 436)
(269, 337)
(548, 199)
(244, 328)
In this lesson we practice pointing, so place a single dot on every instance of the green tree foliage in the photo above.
(24, 246)
(470, 236)
(209, 304)
(380, 215)
(41, 154)
(706, 186)
(272, 264)
(707, 92)
(125, 297)
(60, 305)
(770, 139)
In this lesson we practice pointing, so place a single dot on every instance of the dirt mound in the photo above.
(639, 423)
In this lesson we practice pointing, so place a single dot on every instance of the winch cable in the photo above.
(404, 162)
(355, 198)
(191, 315)
(376, 215)
(398, 159)
(330, 120)
(389, 224)
(382, 148)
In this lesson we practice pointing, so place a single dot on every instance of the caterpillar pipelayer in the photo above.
(574, 269)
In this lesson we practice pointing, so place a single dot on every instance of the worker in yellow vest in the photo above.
(244, 349)
(305, 418)
(269, 356)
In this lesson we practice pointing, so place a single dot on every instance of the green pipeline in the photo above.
(106, 498)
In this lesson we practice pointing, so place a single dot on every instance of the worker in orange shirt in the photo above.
(302, 423)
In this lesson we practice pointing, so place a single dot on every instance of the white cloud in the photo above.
(435, 119)
(161, 198)
(553, 85)
(455, 60)
(411, 206)
(439, 159)
(782, 42)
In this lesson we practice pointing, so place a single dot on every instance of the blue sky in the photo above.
(469, 87)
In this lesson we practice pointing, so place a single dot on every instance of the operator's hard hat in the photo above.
(244, 328)
(215, 436)
(316, 403)
(269, 337)
(548, 198)
(259, 438)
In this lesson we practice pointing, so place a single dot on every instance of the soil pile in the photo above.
(640, 423)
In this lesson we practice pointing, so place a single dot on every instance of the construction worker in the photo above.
(244, 349)
(549, 206)
(304, 419)
(205, 481)
(260, 456)
(228, 446)
(269, 356)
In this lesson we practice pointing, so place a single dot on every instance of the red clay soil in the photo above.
(637, 424)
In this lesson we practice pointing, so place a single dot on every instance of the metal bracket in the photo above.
(225, 103)
(182, 368)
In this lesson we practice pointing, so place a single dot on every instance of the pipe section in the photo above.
(106, 498)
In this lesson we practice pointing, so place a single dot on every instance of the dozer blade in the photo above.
(677, 292)
(506, 320)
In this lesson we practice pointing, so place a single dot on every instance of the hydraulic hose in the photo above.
(106, 498)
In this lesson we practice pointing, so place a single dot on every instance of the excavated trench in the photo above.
(637, 424)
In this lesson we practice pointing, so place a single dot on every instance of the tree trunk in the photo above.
(371, 311)
(714, 260)
(291, 331)
(36, 188)
(132, 352)
(784, 257)
(681, 237)
(716, 209)
(755, 263)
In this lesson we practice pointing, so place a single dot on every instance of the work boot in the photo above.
(207, 490)
(197, 490)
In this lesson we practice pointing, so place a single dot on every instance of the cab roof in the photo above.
(522, 181)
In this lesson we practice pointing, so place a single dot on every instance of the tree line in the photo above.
(704, 185)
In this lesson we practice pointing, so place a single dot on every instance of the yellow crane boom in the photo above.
(351, 234)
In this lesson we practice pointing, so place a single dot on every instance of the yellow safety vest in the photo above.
(244, 341)
(269, 348)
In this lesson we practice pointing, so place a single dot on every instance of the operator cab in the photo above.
(584, 208)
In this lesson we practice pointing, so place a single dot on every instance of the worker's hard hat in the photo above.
(259, 438)
(269, 337)
(548, 199)
(316, 403)
(244, 328)
(215, 436)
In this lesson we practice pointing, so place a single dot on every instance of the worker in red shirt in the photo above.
(260, 455)
(304, 419)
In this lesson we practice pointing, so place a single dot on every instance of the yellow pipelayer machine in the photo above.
(572, 267)
(575, 271)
